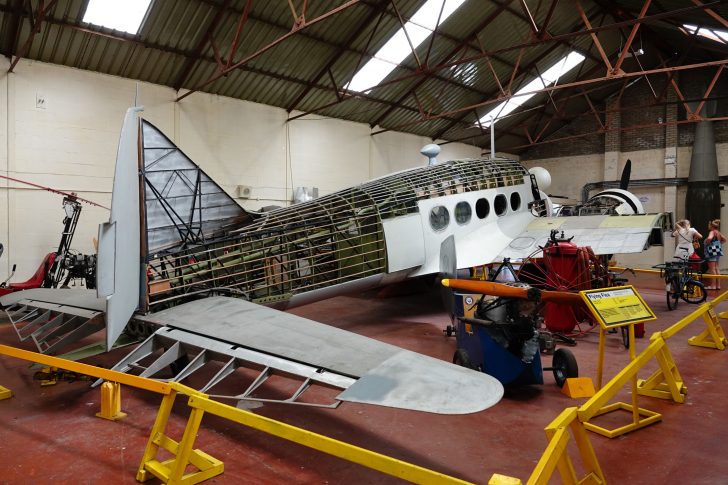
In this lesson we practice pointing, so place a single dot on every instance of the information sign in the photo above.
(618, 306)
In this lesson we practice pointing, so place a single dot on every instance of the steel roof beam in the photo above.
(373, 14)
(628, 44)
(554, 38)
(197, 53)
(295, 29)
(458, 48)
(713, 14)
(34, 29)
(575, 84)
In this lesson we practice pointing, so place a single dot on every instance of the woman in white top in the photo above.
(685, 235)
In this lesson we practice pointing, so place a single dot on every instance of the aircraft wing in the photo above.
(605, 234)
(240, 332)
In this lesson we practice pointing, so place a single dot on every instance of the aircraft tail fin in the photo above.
(182, 204)
(119, 256)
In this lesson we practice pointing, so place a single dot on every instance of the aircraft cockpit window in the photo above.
(515, 201)
(439, 218)
(463, 213)
(482, 208)
(500, 204)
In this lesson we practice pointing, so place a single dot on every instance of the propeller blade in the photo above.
(448, 269)
(508, 291)
(626, 173)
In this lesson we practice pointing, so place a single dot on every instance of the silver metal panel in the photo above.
(404, 239)
(121, 255)
(183, 204)
(390, 376)
(414, 381)
(85, 299)
(604, 234)
(257, 327)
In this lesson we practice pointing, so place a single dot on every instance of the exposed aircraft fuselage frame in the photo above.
(293, 255)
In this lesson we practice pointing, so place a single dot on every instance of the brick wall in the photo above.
(692, 85)
(575, 146)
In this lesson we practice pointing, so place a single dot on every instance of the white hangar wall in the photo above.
(60, 127)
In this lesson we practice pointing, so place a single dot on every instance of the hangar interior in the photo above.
(270, 96)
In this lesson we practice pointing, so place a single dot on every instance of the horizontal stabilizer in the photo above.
(54, 318)
(85, 299)
(385, 375)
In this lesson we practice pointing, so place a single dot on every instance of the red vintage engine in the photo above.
(568, 267)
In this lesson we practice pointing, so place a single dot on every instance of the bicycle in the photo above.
(680, 282)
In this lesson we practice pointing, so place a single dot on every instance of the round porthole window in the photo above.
(482, 208)
(463, 213)
(515, 201)
(500, 204)
(439, 218)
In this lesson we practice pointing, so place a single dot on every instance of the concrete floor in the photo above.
(50, 434)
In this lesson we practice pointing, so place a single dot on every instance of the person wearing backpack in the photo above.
(713, 252)
(685, 236)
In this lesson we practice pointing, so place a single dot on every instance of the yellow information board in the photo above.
(618, 306)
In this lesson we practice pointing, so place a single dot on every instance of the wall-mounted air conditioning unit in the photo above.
(244, 191)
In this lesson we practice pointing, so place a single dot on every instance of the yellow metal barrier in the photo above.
(556, 457)
(665, 383)
(173, 470)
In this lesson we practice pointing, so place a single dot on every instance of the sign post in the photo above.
(615, 307)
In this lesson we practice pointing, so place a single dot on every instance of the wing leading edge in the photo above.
(383, 374)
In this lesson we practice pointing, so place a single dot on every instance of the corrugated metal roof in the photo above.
(480, 41)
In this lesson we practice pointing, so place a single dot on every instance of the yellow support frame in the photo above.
(556, 456)
(665, 382)
(355, 454)
(173, 470)
(5, 393)
(713, 336)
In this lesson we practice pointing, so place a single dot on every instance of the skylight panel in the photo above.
(122, 15)
(397, 48)
(520, 97)
(712, 34)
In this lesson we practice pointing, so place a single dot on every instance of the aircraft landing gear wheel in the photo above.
(564, 366)
(449, 331)
(462, 358)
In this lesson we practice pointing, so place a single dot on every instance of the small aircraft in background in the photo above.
(64, 265)
(181, 263)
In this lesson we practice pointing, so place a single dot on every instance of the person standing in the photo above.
(685, 236)
(713, 252)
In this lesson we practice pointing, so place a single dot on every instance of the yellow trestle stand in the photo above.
(713, 336)
(665, 382)
(5, 393)
(619, 307)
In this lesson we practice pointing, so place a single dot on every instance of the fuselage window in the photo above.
(515, 201)
(463, 213)
(482, 208)
(500, 204)
(439, 218)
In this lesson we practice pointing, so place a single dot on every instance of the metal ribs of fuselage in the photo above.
(331, 240)
(183, 355)
(328, 241)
